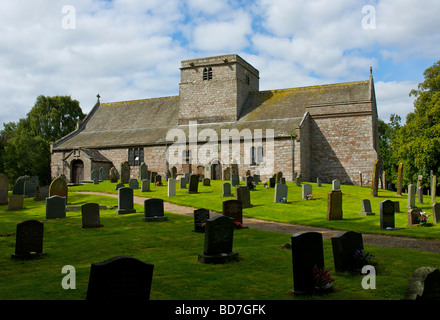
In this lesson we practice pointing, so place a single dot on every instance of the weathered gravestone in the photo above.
(183, 182)
(399, 179)
(375, 179)
(256, 178)
(113, 175)
(278, 177)
(119, 185)
(396, 206)
(90, 215)
(233, 209)
(15, 202)
(154, 210)
(344, 246)
(207, 182)
(121, 278)
(424, 285)
(272, 182)
(29, 240)
(171, 192)
(336, 184)
(143, 171)
(387, 214)
(145, 185)
(200, 218)
(226, 190)
(55, 207)
(133, 183)
(125, 201)
(420, 194)
(94, 175)
(4, 187)
(280, 193)
(29, 187)
(307, 252)
(41, 193)
(104, 174)
(193, 184)
(243, 194)
(19, 185)
(433, 188)
(318, 182)
(334, 205)
(219, 235)
(298, 179)
(58, 187)
(436, 212)
(366, 208)
(125, 172)
(413, 216)
(411, 197)
(306, 191)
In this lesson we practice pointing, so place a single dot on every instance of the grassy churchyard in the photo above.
(264, 271)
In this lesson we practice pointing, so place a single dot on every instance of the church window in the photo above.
(207, 73)
(247, 78)
(257, 156)
(135, 156)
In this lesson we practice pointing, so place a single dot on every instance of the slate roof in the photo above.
(146, 122)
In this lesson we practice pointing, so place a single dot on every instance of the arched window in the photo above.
(207, 73)
(135, 156)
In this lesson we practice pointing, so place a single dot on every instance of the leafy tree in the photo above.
(387, 132)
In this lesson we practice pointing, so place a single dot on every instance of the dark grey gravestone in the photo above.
(113, 175)
(19, 185)
(4, 187)
(307, 252)
(207, 182)
(344, 245)
(125, 172)
(420, 194)
(256, 178)
(193, 184)
(387, 214)
(272, 182)
(235, 180)
(436, 212)
(233, 209)
(143, 171)
(133, 183)
(94, 175)
(396, 206)
(318, 182)
(90, 215)
(280, 192)
(121, 278)
(29, 240)
(226, 190)
(200, 218)
(157, 178)
(306, 190)
(153, 210)
(29, 187)
(41, 193)
(119, 185)
(424, 285)
(183, 182)
(55, 207)
(366, 208)
(243, 194)
(219, 234)
(125, 201)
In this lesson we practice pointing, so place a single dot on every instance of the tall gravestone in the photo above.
(411, 197)
(306, 191)
(307, 252)
(272, 182)
(29, 240)
(125, 201)
(344, 245)
(375, 179)
(226, 190)
(4, 187)
(183, 182)
(219, 235)
(55, 207)
(125, 172)
(94, 175)
(143, 174)
(436, 212)
(113, 175)
(420, 194)
(318, 182)
(58, 187)
(154, 210)
(29, 187)
(171, 187)
(233, 209)
(280, 192)
(243, 194)
(193, 186)
(19, 185)
(121, 278)
(334, 205)
(433, 188)
(90, 215)
(399, 179)
(336, 184)
(387, 214)
(200, 218)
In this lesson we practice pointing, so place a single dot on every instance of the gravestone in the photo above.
(420, 194)
(318, 182)
(249, 181)
(424, 285)
(298, 179)
(94, 175)
(235, 181)
(29, 187)
(226, 190)
(171, 187)
(436, 212)
(104, 174)
(193, 184)
(283, 180)
(143, 174)
(278, 177)
(399, 179)
(157, 178)
(413, 216)
(183, 182)
(55, 207)
(219, 235)
(121, 278)
(366, 208)
(96, 181)
(387, 214)
(58, 187)
(375, 179)
(334, 205)
(280, 192)
(133, 183)
(19, 185)
(41, 193)
(200, 218)
(90, 215)
(145, 185)
(119, 185)
(207, 182)
(125, 172)
(272, 182)
(233, 209)
(307, 252)
(153, 210)
(306, 190)
(396, 206)
(4, 187)
(113, 175)
(153, 175)
(15, 202)
(336, 184)
(433, 188)
(344, 245)
(411, 197)
(243, 194)
(125, 201)
(256, 178)
(29, 240)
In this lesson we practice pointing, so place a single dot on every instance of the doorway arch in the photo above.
(77, 172)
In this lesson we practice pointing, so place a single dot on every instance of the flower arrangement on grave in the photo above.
(283, 200)
(159, 183)
(423, 218)
(321, 278)
(238, 224)
(309, 196)
(362, 258)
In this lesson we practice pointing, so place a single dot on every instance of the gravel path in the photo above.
(287, 228)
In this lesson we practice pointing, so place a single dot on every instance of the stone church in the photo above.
(326, 131)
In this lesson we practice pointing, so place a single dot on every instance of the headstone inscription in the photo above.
(219, 235)
(90, 215)
(226, 190)
(243, 194)
(154, 210)
(280, 192)
(193, 184)
(200, 217)
(233, 209)
(387, 214)
(125, 201)
(334, 205)
(344, 246)
(55, 207)
(4, 187)
(120, 278)
(366, 208)
(424, 285)
(307, 252)
(29, 240)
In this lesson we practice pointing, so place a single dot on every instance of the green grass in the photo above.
(264, 271)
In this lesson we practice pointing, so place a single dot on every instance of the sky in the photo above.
(129, 50)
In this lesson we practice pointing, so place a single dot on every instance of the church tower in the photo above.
(214, 89)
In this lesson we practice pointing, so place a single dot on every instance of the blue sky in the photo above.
(127, 50)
